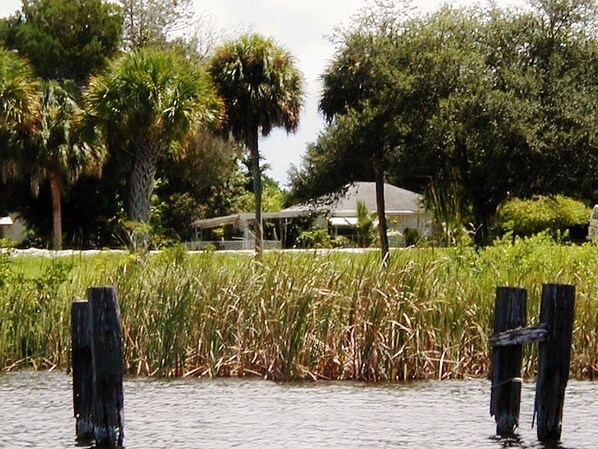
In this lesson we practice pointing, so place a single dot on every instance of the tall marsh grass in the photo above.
(428, 314)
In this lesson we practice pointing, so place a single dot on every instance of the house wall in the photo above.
(15, 232)
(421, 222)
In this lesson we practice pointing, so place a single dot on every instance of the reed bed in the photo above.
(307, 315)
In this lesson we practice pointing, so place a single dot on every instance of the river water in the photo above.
(36, 412)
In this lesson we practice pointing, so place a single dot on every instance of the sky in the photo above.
(302, 28)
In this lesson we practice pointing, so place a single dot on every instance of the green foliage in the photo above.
(208, 174)
(6, 243)
(65, 39)
(18, 95)
(204, 182)
(319, 238)
(272, 197)
(412, 237)
(366, 228)
(260, 84)
(150, 102)
(540, 213)
(314, 238)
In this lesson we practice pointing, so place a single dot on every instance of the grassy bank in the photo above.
(298, 315)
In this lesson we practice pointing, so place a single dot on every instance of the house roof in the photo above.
(244, 218)
(398, 202)
(5, 221)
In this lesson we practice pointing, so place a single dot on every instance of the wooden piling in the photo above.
(82, 370)
(510, 313)
(107, 362)
(557, 313)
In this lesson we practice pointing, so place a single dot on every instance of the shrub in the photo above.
(6, 243)
(555, 214)
(314, 238)
(412, 237)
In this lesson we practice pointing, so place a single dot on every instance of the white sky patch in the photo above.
(7, 7)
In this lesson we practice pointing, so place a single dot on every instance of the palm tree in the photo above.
(262, 89)
(18, 100)
(18, 107)
(149, 102)
(40, 136)
(57, 149)
(63, 149)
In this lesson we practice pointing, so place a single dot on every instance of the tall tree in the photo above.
(520, 100)
(18, 95)
(151, 23)
(18, 111)
(262, 89)
(562, 52)
(19, 103)
(57, 150)
(363, 97)
(64, 39)
(149, 102)
(41, 138)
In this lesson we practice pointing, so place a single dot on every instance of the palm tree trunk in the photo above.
(141, 184)
(141, 187)
(381, 209)
(257, 189)
(56, 193)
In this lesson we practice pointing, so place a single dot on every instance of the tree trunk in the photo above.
(141, 184)
(56, 193)
(381, 209)
(482, 215)
(257, 189)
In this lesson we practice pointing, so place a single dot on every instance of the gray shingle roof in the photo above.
(397, 200)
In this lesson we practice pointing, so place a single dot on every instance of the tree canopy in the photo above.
(470, 106)
(64, 39)
(482, 103)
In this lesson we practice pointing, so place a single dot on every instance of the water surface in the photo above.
(36, 412)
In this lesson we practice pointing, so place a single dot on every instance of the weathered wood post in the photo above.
(82, 369)
(107, 361)
(557, 313)
(505, 399)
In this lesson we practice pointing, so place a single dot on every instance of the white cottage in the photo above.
(404, 210)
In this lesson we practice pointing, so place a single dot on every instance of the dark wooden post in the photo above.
(557, 313)
(510, 313)
(107, 358)
(82, 374)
